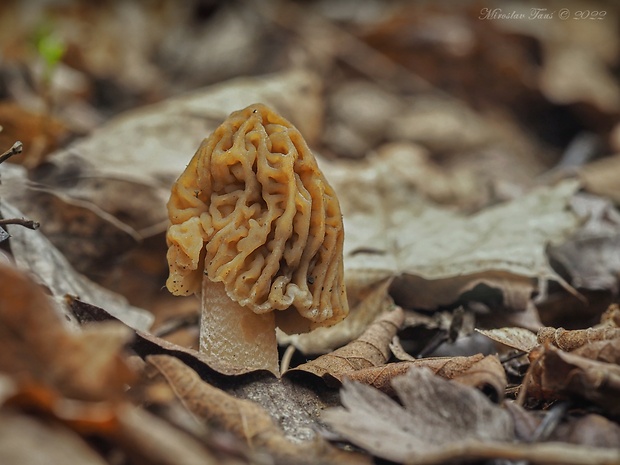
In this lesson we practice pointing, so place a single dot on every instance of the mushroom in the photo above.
(256, 231)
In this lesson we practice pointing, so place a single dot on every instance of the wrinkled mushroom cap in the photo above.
(252, 210)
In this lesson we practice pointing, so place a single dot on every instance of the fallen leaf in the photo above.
(558, 374)
(89, 237)
(41, 133)
(244, 418)
(54, 442)
(604, 351)
(372, 348)
(38, 348)
(148, 344)
(483, 373)
(590, 255)
(149, 439)
(144, 146)
(517, 338)
(589, 429)
(569, 340)
(32, 251)
(365, 305)
(435, 414)
(495, 256)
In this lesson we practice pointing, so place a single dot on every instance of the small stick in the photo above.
(21, 222)
(17, 148)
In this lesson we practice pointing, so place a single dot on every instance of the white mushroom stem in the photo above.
(235, 335)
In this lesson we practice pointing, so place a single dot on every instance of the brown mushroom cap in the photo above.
(252, 210)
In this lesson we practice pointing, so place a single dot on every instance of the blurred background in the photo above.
(479, 100)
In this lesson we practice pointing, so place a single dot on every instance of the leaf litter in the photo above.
(458, 199)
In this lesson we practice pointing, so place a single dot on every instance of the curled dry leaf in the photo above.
(569, 340)
(484, 373)
(555, 373)
(436, 415)
(371, 349)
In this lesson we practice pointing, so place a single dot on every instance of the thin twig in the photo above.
(21, 222)
(17, 148)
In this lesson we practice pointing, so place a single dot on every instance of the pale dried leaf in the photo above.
(436, 413)
(153, 144)
(516, 338)
(444, 254)
(370, 349)
(399, 352)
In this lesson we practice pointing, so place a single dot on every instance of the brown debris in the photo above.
(477, 371)
(371, 349)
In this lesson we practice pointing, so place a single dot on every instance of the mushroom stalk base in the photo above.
(234, 335)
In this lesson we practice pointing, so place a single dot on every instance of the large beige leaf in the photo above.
(438, 254)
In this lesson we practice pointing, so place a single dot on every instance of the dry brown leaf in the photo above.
(569, 340)
(244, 418)
(558, 374)
(371, 349)
(33, 252)
(436, 414)
(88, 236)
(516, 338)
(484, 373)
(148, 344)
(40, 133)
(38, 348)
